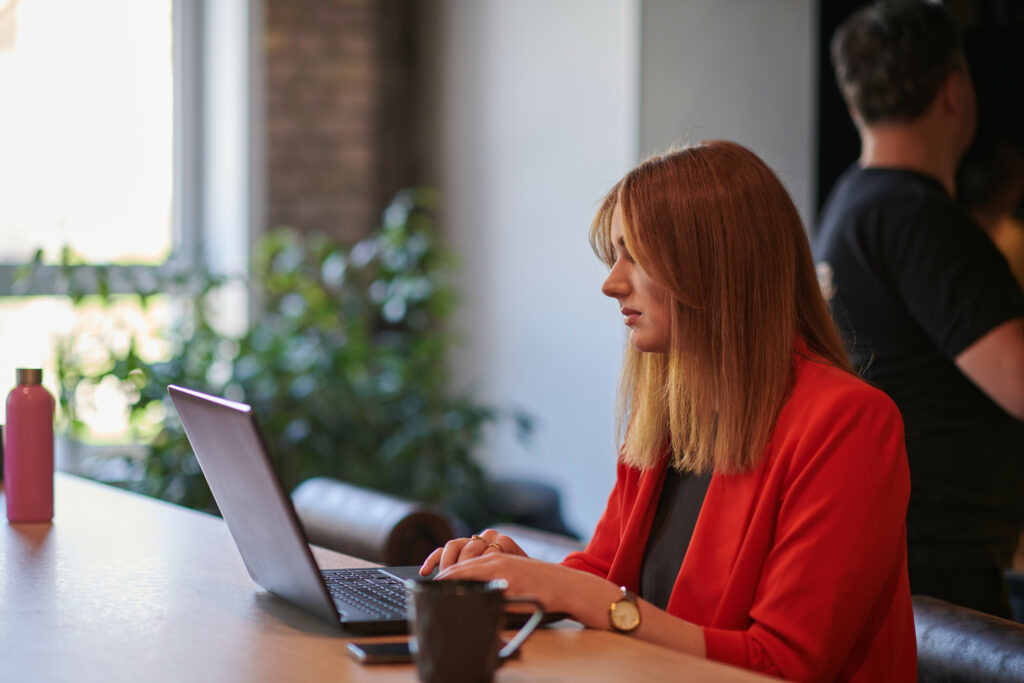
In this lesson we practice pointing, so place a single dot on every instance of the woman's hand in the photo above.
(488, 542)
(557, 588)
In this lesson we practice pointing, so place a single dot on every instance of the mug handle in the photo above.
(529, 627)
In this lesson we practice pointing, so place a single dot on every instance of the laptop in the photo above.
(233, 456)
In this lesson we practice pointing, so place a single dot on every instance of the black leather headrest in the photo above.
(369, 524)
(958, 644)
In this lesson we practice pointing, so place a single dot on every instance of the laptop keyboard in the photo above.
(370, 593)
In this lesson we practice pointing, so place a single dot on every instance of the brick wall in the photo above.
(339, 111)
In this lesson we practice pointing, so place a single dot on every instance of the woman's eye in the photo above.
(622, 254)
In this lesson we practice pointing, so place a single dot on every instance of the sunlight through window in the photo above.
(86, 129)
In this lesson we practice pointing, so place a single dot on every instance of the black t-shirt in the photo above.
(682, 496)
(914, 281)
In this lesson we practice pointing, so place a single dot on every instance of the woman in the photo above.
(735, 382)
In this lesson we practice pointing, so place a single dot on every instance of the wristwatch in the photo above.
(624, 613)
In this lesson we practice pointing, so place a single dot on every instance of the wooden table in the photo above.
(127, 588)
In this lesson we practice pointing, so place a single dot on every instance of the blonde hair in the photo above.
(713, 225)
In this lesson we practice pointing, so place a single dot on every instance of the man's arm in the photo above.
(995, 363)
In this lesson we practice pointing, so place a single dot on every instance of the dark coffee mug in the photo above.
(454, 629)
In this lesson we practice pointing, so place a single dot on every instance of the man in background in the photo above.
(929, 307)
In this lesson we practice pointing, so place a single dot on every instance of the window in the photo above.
(101, 132)
(86, 130)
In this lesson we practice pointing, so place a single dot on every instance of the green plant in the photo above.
(344, 365)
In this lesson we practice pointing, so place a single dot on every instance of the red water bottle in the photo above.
(28, 450)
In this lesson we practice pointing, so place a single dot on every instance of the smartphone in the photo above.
(390, 653)
(380, 653)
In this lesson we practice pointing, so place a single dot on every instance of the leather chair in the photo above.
(370, 524)
(958, 644)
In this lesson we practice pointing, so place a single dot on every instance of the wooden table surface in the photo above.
(121, 587)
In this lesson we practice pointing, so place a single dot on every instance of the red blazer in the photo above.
(798, 568)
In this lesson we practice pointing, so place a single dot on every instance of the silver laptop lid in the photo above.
(233, 456)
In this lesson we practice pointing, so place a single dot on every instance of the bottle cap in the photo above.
(30, 376)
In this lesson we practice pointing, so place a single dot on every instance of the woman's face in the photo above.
(644, 303)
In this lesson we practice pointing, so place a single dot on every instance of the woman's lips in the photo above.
(631, 316)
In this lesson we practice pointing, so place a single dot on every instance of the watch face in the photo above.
(625, 615)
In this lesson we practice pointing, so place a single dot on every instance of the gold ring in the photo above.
(495, 545)
(475, 537)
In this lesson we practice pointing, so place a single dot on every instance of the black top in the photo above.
(679, 504)
(915, 282)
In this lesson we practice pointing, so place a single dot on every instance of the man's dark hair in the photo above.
(890, 58)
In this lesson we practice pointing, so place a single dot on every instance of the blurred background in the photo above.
(436, 163)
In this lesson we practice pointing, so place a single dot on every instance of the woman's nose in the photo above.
(616, 285)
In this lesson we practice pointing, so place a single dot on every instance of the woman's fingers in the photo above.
(453, 550)
(444, 556)
(457, 550)
(500, 543)
(432, 561)
(491, 540)
(450, 553)
(483, 569)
